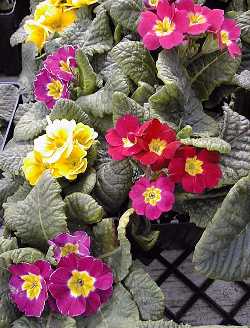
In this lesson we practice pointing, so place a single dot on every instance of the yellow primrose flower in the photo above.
(70, 167)
(37, 33)
(80, 3)
(33, 167)
(56, 19)
(57, 142)
(84, 135)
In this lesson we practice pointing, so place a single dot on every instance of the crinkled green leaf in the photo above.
(20, 255)
(143, 92)
(201, 208)
(11, 160)
(69, 110)
(32, 123)
(114, 179)
(145, 239)
(236, 131)
(126, 12)
(147, 295)
(7, 244)
(223, 250)
(176, 101)
(212, 144)
(105, 237)
(20, 194)
(185, 132)
(124, 105)
(242, 80)
(29, 69)
(243, 21)
(87, 76)
(120, 308)
(9, 95)
(166, 324)
(211, 70)
(102, 125)
(8, 186)
(40, 216)
(83, 207)
(120, 260)
(135, 61)
(49, 321)
(85, 184)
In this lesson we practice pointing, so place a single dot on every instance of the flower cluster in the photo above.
(79, 285)
(52, 82)
(52, 16)
(166, 24)
(154, 145)
(62, 150)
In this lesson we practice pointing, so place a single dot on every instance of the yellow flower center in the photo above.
(225, 37)
(127, 143)
(69, 249)
(193, 166)
(157, 146)
(65, 66)
(165, 27)
(153, 3)
(81, 284)
(55, 89)
(32, 285)
(152, 196)
(195, 19)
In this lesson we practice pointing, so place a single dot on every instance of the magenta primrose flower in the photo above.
(201, 18)
(65, 244)
(80, 285)
(152, 198)
(166, 28)
(228, 36)
(48, 88)
(28, 288)
(62, 63)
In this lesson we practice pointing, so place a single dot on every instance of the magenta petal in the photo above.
(146, 23)
(105, 281)
(70, 306)
(93, 303)
(151, 41)
(198, 29)
(172, 40)
(167, 201)
(234, 49)
(152, 212)
(23, 268)
(116, 153)
(113, 138)
(215, 19)
(181, 21)
(164, 9)
(45, 268)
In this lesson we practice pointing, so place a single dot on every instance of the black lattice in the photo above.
(199, 292)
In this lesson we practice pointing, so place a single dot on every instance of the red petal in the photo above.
(113, 138)
(208, 156)
(194, 184)
(176, 169)
(212, 174)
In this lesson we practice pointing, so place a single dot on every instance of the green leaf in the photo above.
(20, 194)
(69, 110)
(105, 237)
(7, 244)
(223, 250)
(210, 71)
(236, 131)
(114, 179)
(20, 255)
(147, 295)
(32, 123)
(145, 239)
(243, 22)
(135, 61)
(143, 93)
(242, 80)
(120, 259)
(49, 321)
(124, 105)
(120, 308)
(83, 207)
(200, 208)
(40, 216)
(126, 13)
(175, 101)
(87, 75)
(185, 132)
(9, 95)
(11, 159)
(85, 183)
(211, 144)
(167, 324)
(8, 186)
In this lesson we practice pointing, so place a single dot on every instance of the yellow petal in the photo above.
(80, 3)
(33, 167)
(37, 33)
(84, 135)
